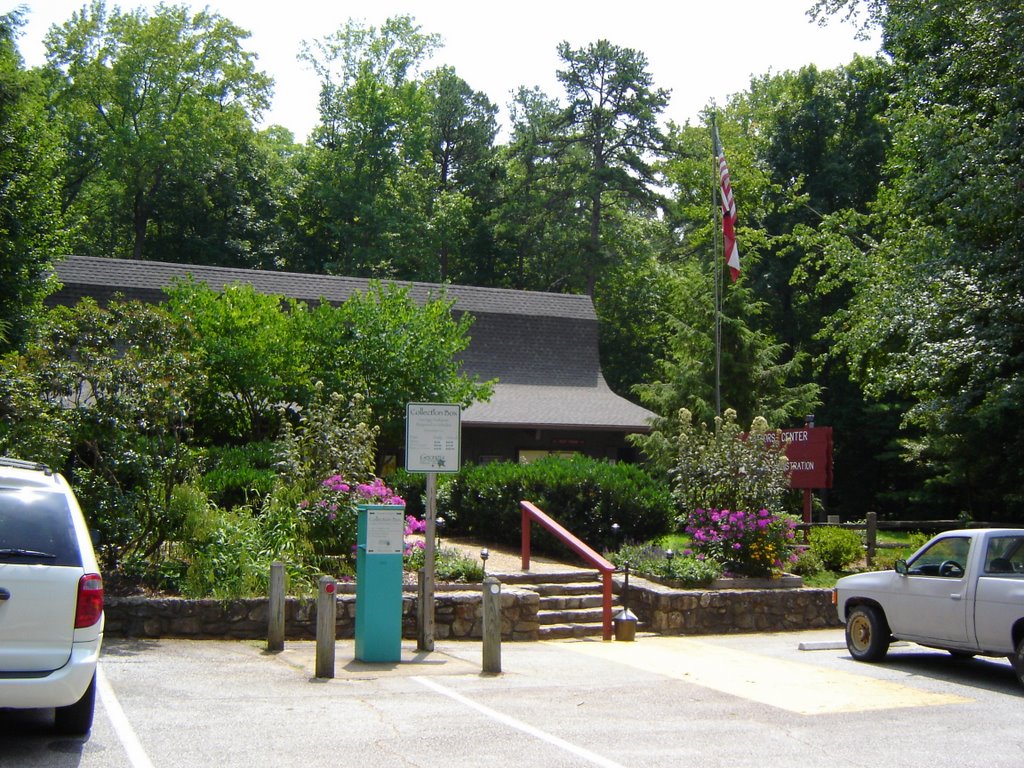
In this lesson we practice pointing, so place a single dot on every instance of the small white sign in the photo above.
(433, 437)
(385, 531)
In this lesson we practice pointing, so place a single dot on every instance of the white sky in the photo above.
(698, 50)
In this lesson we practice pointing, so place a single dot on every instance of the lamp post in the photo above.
(439, 524)
(484, 554)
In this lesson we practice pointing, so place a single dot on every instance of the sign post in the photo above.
(433, 443)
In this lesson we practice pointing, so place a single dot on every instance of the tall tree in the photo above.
(148, 102)
(608, 131)
(758, 377)
(30, 221)
(821, 137)
(463, 129)
(935, 273)
(364, 204)
(759, 374)
(536, 223)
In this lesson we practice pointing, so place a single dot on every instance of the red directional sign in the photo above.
(809, 456)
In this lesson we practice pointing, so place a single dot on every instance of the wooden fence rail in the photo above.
(872, 525)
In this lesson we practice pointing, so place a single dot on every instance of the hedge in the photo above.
(585, 495)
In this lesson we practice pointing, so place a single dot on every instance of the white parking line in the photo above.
(125, 733)
(519, 725)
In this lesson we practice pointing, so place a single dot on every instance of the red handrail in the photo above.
(531, 512)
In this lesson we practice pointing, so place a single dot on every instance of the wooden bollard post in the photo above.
(275, 609)
(492, 625)
(326, 619)
(872, 537)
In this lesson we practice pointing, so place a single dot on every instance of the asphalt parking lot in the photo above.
(788, 699)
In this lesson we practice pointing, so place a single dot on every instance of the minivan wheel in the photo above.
(76, 719)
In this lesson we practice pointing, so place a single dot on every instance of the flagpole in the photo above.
(717, 260)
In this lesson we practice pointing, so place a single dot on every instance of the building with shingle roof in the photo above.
(542, 348)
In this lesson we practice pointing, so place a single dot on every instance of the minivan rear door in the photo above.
(40, 568)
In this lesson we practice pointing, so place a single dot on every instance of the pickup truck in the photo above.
(962, 592)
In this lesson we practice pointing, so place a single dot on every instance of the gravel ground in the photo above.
(502, 559)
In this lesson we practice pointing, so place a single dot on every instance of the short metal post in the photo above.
(275, 608)
(421, 605)
(625, 584)
(492, 625)
(326, 620)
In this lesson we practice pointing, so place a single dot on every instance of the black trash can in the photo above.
(625, 625)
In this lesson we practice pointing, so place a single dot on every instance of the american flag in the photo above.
(732, 252)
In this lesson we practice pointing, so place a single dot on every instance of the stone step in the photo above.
(553, 577)
(568, 588)
(564, 631)
(559, 602)
(571, 601)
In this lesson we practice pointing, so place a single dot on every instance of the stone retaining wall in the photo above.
(670, 611)
(458, 614)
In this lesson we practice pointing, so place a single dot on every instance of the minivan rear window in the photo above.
(36, 528)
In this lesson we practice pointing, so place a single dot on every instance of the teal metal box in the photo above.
(379, 545)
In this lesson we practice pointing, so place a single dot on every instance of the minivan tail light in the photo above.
(90, 600)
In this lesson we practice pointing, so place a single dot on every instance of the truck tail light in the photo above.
(90, 600)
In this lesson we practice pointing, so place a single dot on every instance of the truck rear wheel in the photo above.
(1017, 660)
(867, 633)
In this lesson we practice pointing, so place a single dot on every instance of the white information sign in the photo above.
(385, 531)
(433, 437)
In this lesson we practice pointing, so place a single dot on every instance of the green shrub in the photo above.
(586, 496)
(727, 468)
(917, 540)
(807, 563)
(239, 474)
(651, 561)
(411, 486)
(227, 561)
(450, 564)
(836, 547)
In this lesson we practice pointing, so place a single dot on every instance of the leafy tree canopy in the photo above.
(148, 104)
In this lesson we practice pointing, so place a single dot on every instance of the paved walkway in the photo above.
(503, 559)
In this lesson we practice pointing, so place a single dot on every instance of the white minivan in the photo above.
(51, 598)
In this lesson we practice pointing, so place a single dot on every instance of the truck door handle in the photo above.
(956, 596)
